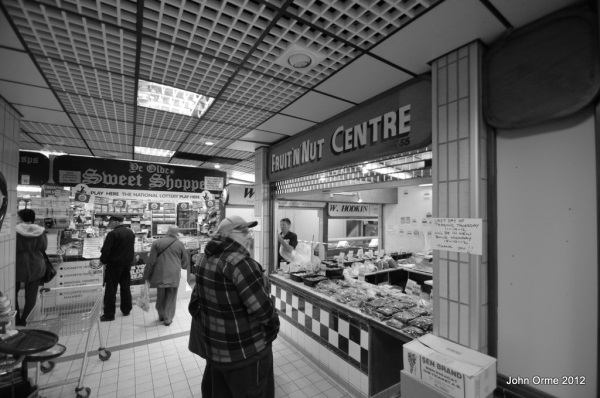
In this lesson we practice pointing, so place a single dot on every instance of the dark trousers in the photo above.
(113, 276)
(31, 292)
(252, 381)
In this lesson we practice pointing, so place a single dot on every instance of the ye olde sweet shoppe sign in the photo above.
(395, 122)
(122, 174)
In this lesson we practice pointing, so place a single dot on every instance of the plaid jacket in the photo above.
(237, 316)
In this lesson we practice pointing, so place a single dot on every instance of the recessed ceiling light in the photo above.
(171, 99)
(217, 166)
(299, 58)
(153, 151)
(209, 143)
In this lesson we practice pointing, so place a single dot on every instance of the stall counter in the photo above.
(359, 352)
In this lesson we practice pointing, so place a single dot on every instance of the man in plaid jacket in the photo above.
(237, 318)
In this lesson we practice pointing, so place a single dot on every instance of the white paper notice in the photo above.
(91, 247)
(463, 235)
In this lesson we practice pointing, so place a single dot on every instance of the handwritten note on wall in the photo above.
(463, 235)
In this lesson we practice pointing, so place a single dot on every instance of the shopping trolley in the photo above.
(68, 311)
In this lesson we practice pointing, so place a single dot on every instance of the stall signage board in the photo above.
(77, 273)
(52, 190)
(392, 123)
(160, 197)
(34, 168)
(352, 210)
(241, 195)
(110, 173)
(462, 235)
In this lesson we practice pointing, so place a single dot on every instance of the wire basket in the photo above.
(67, 311)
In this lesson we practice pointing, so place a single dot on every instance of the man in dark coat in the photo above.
(117, 253)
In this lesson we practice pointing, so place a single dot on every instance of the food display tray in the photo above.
(299, 276)
(313, 283)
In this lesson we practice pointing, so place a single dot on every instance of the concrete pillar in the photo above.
(460, 187)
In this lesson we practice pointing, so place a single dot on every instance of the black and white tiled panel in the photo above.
(346, 337)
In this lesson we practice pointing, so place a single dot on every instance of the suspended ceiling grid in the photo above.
(71, 68)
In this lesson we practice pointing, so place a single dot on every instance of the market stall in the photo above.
(370, 167)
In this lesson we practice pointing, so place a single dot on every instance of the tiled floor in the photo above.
(150, 360)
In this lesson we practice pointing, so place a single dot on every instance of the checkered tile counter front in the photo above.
(347, 337)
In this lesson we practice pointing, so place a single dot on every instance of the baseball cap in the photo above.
(230, 223)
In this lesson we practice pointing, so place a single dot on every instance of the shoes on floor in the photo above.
(126, 313)
(161, 319)
(167, 323)
(105, 318)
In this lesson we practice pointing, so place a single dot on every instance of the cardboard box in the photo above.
(450, 368)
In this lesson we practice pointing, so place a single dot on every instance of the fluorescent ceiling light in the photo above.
(171, 99)
(217, 166)
(426, 185)
(142, 150)
(209, 143)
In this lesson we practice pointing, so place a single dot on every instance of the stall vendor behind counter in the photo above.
(286, 238)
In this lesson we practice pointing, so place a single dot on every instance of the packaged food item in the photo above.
(423, 322)
(395, 323)
(412, 331)
(387, 311)
(406, 316)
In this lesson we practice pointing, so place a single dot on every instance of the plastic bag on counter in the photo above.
(413, 331)
(300, 256)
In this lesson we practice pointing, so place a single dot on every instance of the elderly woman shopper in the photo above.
(163, 270)
(31, 266)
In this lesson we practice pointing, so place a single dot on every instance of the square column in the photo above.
(263, 208)
(460, 185)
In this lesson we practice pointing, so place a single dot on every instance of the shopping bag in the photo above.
(50, 271)
(144, 300)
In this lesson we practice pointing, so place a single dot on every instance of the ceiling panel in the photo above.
(215, 132)
(109, 138)
(49, 116)
(201, 149)
(165, 120)
(18, 67)
(84, 105)
(8, 37)
(363, 79)
(262, 136)
(286, 125)
(462, 21)
(58, 140)
(49, 129)
(261, 91)
(82, 80)
(234, 154)
(222, 29)
(520, 13)
(67, 36)
(24, 94)
(102, 125)
(246, 146)
(237, 114)
(147, 142)
(316, 107)
(110, 147)
(183, 68)
(120, 12)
